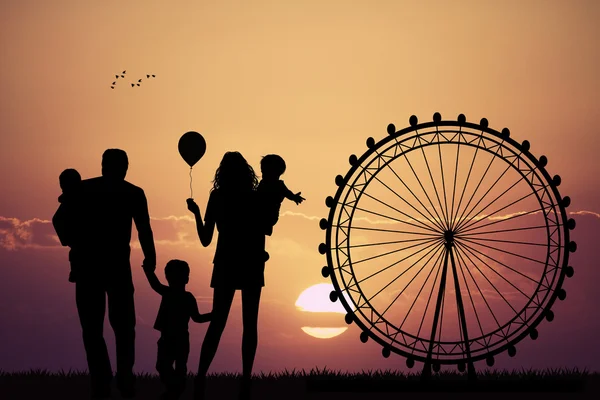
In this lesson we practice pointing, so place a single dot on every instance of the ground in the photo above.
(328, 385)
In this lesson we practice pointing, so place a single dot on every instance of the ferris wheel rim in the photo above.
(536, 166)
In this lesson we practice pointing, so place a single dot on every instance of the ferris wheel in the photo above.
(447, 242)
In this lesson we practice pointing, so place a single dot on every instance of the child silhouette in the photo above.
(69, 181)
(271, 190)
(176, 309)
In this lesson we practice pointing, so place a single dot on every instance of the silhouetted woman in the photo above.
(238, 263)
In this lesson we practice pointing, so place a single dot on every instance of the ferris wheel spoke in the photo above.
(438, 306)
(443, 182)
(420, 290)
(500, 220)
(460, 309)
(501, 231)
(458, 252)
(517, 313)
(454, 185)
(430, 242)
(441, 318)
(429, 299)
(506, 241)
(466, 221)
(432, 222)
(472, 251)
(501, 250)
(395, 219)
(460, 267)
(433, 219)
(425, 192)
(392, 264)
(425, 226)
(466, 182)
(465, 217)
(392, 242)
(437, 235)
(406, 286)
(400, 275)
(479, 184)
(444, 217)
(475, 221)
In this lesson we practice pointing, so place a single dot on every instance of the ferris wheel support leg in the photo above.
(426, 374)
(472, 375)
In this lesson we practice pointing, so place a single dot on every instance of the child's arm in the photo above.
(154, 282)
(195, 313)
(60, 223)
(288, 194)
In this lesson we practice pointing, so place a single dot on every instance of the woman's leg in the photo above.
(250, 301)
(222, 299)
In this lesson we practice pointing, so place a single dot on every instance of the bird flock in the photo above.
(134, 84)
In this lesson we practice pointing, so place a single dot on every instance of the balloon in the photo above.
(192, 147)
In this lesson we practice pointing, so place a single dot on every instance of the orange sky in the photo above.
(309, 80)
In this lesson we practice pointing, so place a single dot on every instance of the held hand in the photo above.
(149, 265)
(299, 199)
(192, 206)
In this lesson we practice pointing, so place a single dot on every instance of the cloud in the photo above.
(595, 214)
(34, 233)
(297, 214)
(171, 230)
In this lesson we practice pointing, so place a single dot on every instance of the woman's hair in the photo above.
(234, 173)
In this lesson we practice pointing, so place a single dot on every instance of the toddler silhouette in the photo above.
(176, 308)
(271, 190)
(69, 181)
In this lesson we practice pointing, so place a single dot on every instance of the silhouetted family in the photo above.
(95, 218)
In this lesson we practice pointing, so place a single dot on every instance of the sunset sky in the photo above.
(308, 80)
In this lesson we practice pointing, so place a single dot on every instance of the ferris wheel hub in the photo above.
(449, 237)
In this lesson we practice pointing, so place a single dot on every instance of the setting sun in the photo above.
(315, 299)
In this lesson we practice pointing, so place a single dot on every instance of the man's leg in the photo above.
(91, 306)
(121, 314)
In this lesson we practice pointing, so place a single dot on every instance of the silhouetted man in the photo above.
(106, 207)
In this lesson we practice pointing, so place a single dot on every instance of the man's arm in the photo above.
(154, 282)
(141, 217)
(195, 313)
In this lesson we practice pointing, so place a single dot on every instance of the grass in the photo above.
(325, 384)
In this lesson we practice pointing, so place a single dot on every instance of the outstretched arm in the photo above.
(288, 194)
(205, 229)
(154, 282)
(141, 217)
(195, 314)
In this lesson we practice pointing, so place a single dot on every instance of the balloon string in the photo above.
(191, 190)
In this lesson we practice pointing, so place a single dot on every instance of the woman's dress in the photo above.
(239, 260)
